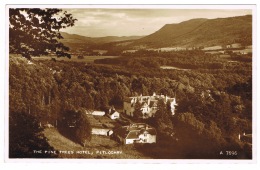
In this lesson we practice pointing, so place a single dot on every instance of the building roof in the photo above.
(98, 113)
(133, 134)
(134, 130)
(113, 112)
(144, 104)
(151, 131)
(153, 103)
(122, 131)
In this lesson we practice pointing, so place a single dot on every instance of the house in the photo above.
(236, 45)
(113, 114)
(135, 133)
(101, 131)
(148, 104)
(98, 127)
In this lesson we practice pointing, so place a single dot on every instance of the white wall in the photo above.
(97, 131)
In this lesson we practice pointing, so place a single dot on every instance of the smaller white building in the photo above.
(98, 113)
(113, 114)
(135, 133)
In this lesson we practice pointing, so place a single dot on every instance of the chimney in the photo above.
(149, 100)
(239, 136)
(146, 127)
(154, 94)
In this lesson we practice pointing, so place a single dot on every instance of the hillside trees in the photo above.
(83, 129)
(137, 110)
(35, 31)
(162, 116)
(25, 136)
(33, 90)
(75, 125)
(98, 86)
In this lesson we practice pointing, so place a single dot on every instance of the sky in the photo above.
(137, 22)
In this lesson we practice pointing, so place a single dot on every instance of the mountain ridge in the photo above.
(200, 32)
(197, 32)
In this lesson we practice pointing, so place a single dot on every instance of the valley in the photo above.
(181, 92)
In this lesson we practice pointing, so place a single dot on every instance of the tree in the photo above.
(35, 31)
(82, 129)
(75, 126)
(25, 136)
(138, 112)
(162, 116)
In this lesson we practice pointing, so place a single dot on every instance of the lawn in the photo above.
(99, 147)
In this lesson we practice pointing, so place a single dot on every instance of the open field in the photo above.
(87, 59)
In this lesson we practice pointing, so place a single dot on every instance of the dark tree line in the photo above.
(25, 137)
(75, 125)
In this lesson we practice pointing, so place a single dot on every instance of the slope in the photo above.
(201, 32)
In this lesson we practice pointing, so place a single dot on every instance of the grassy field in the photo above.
(101, 147)
(87, 59)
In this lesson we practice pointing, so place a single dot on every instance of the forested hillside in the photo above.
(214, 97)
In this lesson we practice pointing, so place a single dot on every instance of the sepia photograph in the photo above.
(162, 82)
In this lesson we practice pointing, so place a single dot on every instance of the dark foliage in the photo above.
(163, 118)
(75, 126)
(25, 137)
(138, 112)
(214, 103)
(35, 31)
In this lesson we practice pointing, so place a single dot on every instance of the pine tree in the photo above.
(82, 129)
(138, 112)
(162, 116)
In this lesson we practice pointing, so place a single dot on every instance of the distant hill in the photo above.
(82, 44)
(75, 38)
(201, 32)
